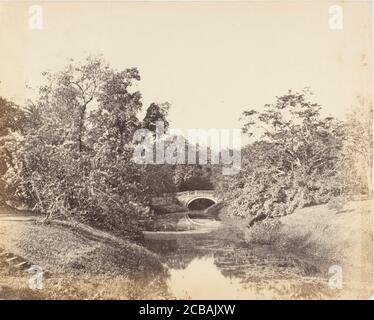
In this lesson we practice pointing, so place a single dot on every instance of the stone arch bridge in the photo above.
(185, 198)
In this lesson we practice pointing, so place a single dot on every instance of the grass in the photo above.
(81, 262)
(321, 235)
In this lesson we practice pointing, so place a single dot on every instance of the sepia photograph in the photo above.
(186, 150)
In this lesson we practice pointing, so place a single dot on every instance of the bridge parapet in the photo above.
(185, 197)
(195, 192)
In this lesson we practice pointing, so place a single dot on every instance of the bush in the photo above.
(263, 232)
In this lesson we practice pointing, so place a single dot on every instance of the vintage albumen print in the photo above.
(186, 150)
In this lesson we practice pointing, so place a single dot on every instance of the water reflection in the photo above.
(212, 266)
(202, 279)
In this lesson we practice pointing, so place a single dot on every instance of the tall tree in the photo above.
(356, 159)
(292, 162)
(11, 126)
(158, 177)
(156, 112)
(77, 151)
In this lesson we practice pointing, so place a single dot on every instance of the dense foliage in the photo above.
(11, 125)
(74, 158)
(298, 158)
(69, 153)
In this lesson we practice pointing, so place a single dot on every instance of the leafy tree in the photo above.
(158, 177)
(292, 162)
(355, 165)
(156, 112)
(11, 127)
(199, 178)
(77, 151)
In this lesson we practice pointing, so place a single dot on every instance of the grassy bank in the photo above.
(80, 262)
(334, 237)
(323, 237)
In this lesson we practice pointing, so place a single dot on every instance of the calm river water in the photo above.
(212, 262)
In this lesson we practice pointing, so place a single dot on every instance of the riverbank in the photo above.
(205, 258)
(219, 264)
(79, 262)
(332, 237)
(322, 237)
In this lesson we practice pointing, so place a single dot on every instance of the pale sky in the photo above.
(210, 60)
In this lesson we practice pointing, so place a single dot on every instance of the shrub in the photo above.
(263, 232)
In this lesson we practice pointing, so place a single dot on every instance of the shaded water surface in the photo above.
(207, 263)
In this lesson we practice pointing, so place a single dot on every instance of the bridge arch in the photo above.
(193, 200)
(185, 198)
